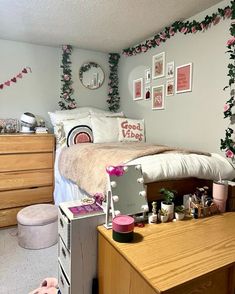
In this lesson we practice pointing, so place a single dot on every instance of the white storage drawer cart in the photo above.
(77, 251)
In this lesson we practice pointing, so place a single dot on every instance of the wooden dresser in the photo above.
(184, 257)
(26, 173)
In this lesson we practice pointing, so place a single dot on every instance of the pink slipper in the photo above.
(49, 282)
(51, 290)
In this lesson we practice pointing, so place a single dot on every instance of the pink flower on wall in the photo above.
(231, 41)
(228, 12)
(143, 48)
(158, 41)
(171, 31)
(226, 107)
(184, 30)
(66, 77)
(216, 20)
(194, 30)
(229, 153)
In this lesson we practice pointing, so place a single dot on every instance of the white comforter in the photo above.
(175, 166)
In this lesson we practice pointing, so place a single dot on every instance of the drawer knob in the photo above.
(63, 252)
(61, 223)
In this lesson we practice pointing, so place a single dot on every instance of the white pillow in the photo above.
(78, 131)
(105, 129)
(131, 130)
(57, 117)
(108, 114)
(84, 109)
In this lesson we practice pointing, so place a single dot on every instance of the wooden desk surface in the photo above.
(170, 254)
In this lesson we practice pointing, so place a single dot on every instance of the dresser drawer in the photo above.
(63, 283)
(16, 198)
(65, 259)
(31, 161)
(8, 216)
(64, 229)
(20, 180)
(22, 143)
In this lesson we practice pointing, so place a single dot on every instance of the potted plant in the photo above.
(163, 215)
(179, 212)
(167, 203)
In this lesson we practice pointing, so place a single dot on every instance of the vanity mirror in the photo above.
(126, 191)
(91, 75)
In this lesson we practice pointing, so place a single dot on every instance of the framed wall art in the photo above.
(170, 87)
(158, 66)
(147, 92)
(158, 97)
(147, 75)
(183, 78)
(170, 70)
(138, 89)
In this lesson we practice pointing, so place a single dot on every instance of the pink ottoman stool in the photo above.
(37, 226)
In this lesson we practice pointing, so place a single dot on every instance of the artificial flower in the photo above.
(229, 153)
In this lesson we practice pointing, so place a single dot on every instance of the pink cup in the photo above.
(220, 195)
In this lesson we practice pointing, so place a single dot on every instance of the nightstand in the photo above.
(77, 252)
(26, 173)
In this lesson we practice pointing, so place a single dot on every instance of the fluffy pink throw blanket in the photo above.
(85, 164)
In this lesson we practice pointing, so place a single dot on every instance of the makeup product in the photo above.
(123, 228)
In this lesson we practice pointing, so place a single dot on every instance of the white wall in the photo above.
(39, 92)
(193, 119)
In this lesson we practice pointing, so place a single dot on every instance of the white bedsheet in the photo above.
(155, 168)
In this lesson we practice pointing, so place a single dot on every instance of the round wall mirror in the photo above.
(91, 75)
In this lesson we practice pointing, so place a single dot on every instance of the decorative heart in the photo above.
(19, 75)
(1, 86)
(13, 79)
(7, 83)
(24, 70)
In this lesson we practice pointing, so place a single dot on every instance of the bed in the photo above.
(182, 170)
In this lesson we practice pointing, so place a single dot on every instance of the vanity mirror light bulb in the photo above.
(140, 180)
(145, 208)
(125, 168)
(113, 184)
(138, 167)
(142, 193)
(115, 198)
(117, 212)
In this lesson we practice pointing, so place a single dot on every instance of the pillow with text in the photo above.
(131, 130)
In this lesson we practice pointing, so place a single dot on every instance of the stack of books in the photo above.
(41, 130)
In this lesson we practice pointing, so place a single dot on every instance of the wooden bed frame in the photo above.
(186, 186)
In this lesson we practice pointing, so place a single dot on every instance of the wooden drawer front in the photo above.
(8, 217)
(20, 180)
(26, 143)
(18, 162)
(63, 283)
(214, 283)
(22, 197)
(65, 259)
(64, 229)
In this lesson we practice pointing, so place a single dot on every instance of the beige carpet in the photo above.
(22, 270)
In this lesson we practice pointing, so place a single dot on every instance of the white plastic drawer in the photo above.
(64, 228)
(65, 259)
(63, 283)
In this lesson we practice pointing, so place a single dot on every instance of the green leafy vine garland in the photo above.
(67, 102)
(228, 143)
(113, 92)
(182, 27)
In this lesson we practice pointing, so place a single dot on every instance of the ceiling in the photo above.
(102, 25)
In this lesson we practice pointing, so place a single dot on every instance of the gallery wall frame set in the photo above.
(158, 97)
(183, 78)
(158, 65)
(138, 89)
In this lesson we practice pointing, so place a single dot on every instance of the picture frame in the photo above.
(183, 78)
(158, 97)
(147, 75)
(138, 89)
(170, 87)
(170, 70)
(158, 66)
(147, 92)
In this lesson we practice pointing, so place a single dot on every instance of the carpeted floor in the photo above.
(22, 270)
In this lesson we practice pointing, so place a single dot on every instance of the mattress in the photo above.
(166, 166)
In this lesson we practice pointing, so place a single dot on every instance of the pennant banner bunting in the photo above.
(14, 79)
